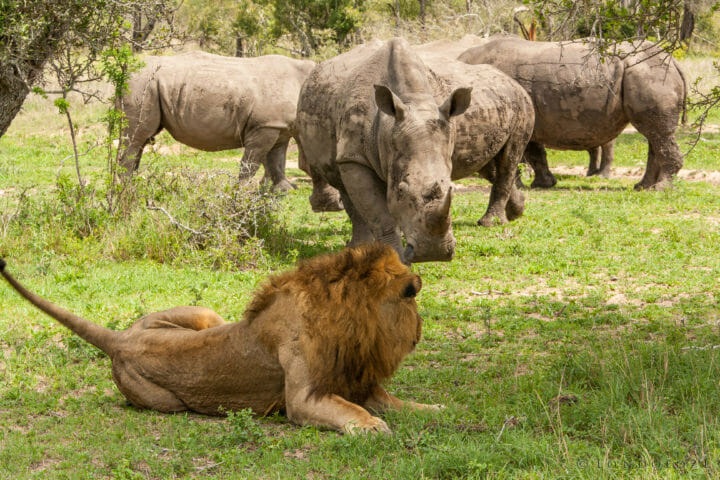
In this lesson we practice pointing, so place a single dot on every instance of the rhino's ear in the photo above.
(458, 102)
(389, 103)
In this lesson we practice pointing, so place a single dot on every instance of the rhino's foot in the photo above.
(543, 182)
(660, 185)
(514, 210)
(326, 201)
(604, 173)
(284, 185)
(491, 220)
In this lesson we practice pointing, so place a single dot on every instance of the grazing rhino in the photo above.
(492, 134)
(212, 103)
(583, 101)
(369, 124)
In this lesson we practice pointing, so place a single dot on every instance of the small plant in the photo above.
(241, 428)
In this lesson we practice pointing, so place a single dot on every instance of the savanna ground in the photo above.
(580, 341)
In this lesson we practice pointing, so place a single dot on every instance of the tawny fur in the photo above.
(316, 342)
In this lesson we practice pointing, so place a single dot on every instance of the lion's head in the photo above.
(359, 317)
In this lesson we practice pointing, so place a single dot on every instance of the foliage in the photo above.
(613, 21)
(70, 35)
(242, 429)
(312, 22)
(578, 341)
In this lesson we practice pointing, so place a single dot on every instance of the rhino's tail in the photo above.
(684, 99)
(103, 338)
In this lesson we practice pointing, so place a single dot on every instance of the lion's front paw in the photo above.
(371, 425)
(436, 407)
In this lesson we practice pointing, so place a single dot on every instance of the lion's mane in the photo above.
(358, 313)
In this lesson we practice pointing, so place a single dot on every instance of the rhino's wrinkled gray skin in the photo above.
(492, 134)
(446, 48)
(582, 102)
(211, 103)
(369, 124)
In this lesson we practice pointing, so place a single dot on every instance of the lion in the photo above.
(316, 343)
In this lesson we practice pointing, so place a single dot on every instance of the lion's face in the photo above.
(360, 318)
(398, 308)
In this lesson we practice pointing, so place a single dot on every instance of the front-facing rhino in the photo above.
(369, 125)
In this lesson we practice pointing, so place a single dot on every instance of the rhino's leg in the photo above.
(275, 167)
(664, 161)
(361, 232)
(248, 166)
(594, 165)
(606, 159)
(135, 142)
(536, 156)
(258, 144)
(366, 203)
(144, 121)
(324, 197)
(651, 172)
(516, 203)
(516, 200)
(504, 195)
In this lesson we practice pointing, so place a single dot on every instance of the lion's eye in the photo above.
(409, 291)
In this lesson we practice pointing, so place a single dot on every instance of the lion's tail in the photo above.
(103, 338)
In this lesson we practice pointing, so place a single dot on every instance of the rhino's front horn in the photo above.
(445, 209)
(439, 218)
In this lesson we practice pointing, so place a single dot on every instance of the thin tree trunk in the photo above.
(13, 91)
(16, 78)
(239, 46)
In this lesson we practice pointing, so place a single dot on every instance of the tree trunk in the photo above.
(395, 9)
(13, 91)
(239, 46)
(688, 24)
(141, 31)
(22, 69)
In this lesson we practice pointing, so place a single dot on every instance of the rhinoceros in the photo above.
(369, 124)
(492, 134)
(583, 101)
(212, 103)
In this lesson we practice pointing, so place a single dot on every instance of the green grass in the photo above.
(579, 341)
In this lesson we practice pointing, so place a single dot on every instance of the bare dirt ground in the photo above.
(636, 173)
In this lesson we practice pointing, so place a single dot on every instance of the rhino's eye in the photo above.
(410, 291)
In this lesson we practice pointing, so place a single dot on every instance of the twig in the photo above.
(175, 222)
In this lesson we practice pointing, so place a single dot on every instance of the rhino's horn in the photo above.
(439, 218)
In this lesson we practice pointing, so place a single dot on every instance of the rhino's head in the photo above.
(416, 140)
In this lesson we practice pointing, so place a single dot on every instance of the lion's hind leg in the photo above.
(194, 318)
(143, 393)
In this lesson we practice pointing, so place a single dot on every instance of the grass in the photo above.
(580, 341)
